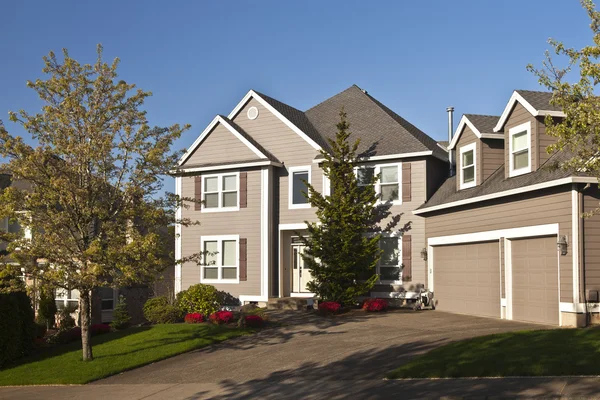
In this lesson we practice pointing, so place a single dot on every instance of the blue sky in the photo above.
(199, 58)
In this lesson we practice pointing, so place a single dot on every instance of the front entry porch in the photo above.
(294, 276)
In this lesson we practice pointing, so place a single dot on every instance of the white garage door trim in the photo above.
(506, 234)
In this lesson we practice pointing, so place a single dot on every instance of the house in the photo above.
(505, 237)
(248, 169)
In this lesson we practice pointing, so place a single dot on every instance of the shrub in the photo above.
(121, 316)
(329, 307)
(203, 299)
(193, 318)
(17, 325)
(99, 329)
(158, 310)
(375, 305)
(47, 309)
(221, 317)
(254, 321)
(40, 330)
(65, 319)
(74, 334)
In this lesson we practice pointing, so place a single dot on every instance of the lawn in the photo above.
(114, 352)
(527, 353)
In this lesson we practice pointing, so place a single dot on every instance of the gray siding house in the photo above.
(248, 167)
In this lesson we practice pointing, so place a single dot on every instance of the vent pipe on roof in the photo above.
(450, 111)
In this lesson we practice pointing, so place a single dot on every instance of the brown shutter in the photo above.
(243, 260)
(406, 258)
(197, 192)
(243, 189)
(406, 184)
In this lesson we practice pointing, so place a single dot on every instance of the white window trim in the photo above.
(114, 299)
(219, 239)
(464, 149)
(291, 171)
(220, 191)
(378, 185)
(512, 131)
(377, 268)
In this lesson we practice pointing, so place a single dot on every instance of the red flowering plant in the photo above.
(375, 305)
(329, 307)
(254, 321)
(193, 318)
(221, 317)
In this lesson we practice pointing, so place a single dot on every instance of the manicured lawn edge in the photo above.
(114, 353)
(539, 353)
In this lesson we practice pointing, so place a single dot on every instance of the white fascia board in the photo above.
(464, 121)
(227, 166)
(389, 156)
(293, 227)
(510, 233)
(219, 120)
(492, 136)
(264, 103)
(525, 189)
(516, 97)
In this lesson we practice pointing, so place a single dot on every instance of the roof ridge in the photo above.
(482, 115)
(354, 85)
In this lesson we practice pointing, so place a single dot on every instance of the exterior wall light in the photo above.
(561, 245)
(424, 253)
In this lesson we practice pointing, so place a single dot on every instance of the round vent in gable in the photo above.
(252, 113)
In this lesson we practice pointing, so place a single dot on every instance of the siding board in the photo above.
(220, 145)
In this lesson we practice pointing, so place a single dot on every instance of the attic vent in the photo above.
(252, 113)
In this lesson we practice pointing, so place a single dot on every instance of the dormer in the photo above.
(479, 151)
(522, 124)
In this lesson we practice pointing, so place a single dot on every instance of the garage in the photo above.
(535, 280)
(467, 278)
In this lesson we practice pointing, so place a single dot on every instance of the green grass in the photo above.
(113, 352)
(527, 353)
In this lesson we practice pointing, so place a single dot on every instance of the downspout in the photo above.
(450, 111)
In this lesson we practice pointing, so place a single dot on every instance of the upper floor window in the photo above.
(220, 259)
(467, 166)
(298, 177)
(388, 187)
(519, 139)
(221, 192)
(364, 176)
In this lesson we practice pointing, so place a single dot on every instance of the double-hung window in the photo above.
(520, 149)
(467, 165)
(389, 264)
(221, 192)
(389, 185)
(107, 296)
(364, 176)
(220, 259)
(298, 177)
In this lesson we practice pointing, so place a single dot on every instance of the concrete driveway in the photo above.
(314, 357)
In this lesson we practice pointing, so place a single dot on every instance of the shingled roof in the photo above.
(447, 193)
(382, 131)
(539, 100)
(483, 123)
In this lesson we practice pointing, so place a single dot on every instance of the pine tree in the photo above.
(47, 308)
(342, 248)
(121, 316)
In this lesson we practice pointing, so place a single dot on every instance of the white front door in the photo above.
(300, 275)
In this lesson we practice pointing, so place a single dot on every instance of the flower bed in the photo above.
(73, 334)
(194, 318)
(375, 305)
(254, 321)
(329, 307)
(221, 317)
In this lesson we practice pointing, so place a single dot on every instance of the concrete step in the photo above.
(290, 303)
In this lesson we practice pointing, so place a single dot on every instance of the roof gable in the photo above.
(536, 103)
(251, 144)
(481, 125)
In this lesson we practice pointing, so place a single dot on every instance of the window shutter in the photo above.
(197, 192)
(406, 183)
(243, 189)
(406, 258)
(243, 260)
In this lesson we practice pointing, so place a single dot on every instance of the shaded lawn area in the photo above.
(527, 353)
(114, 352)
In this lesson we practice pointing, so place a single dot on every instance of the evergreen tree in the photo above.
(342, 248)
(121, 316)
(47, 308)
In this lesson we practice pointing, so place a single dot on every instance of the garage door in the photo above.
(467, 278)
(535, 280)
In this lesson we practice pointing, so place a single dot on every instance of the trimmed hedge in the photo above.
(17, 326)
(203, 299)
(158, 310)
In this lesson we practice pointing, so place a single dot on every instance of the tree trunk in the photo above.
(85, 314)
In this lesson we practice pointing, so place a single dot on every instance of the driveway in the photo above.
(314, 357)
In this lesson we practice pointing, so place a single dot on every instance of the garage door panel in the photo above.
(467, 278)
(535, 280)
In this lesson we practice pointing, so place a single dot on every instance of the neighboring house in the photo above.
(505, 237)
(248, 169)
